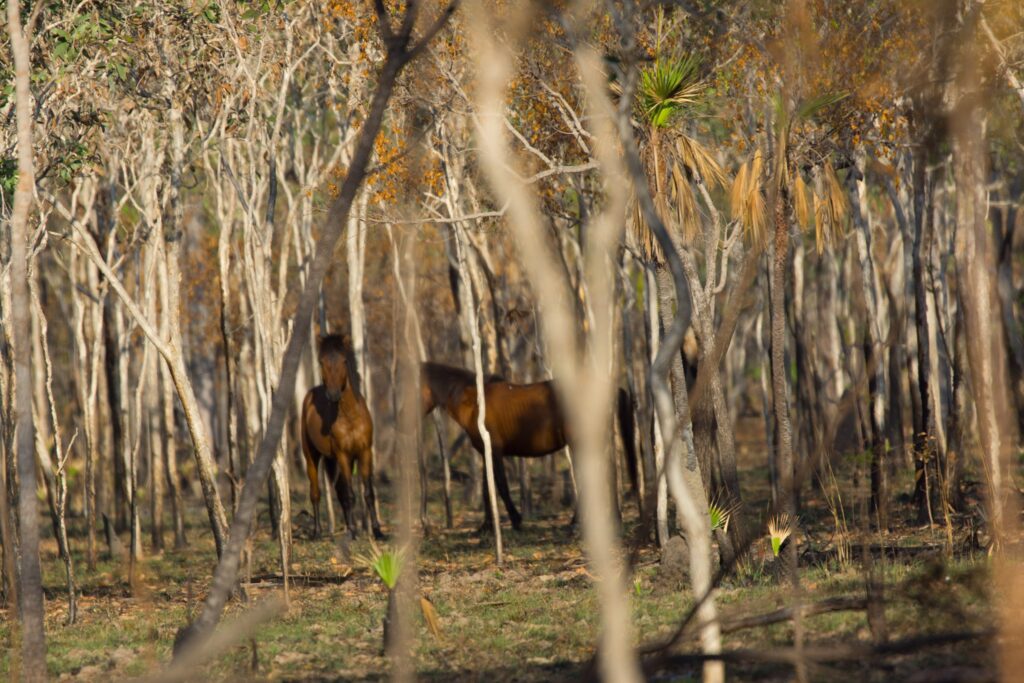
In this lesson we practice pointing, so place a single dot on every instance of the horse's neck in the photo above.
(349, 397)
(460, 410)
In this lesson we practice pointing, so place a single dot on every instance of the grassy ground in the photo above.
(533, 619)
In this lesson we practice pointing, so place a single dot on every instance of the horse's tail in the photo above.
(627, 427)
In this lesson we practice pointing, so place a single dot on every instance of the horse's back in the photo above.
(525, 419)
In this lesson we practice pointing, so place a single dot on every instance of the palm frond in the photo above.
(642, 237)
(686, 205)
(665, 87)
(720, 514)
(430, 617)
(801, 207)
(699, 159)
(813, 105)
(747, 199)
(385, 564)
(831, 209)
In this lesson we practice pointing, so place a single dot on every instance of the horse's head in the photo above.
(333, 368)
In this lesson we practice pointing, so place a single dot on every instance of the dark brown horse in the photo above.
(337, 428)
(524, 420)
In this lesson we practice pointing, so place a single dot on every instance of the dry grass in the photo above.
(535, 619)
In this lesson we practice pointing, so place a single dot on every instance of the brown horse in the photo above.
(524, 420)
(337, 428)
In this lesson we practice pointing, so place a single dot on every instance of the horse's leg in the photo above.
(343, 486)
(366, 472)
(501, 480)
(312, 460)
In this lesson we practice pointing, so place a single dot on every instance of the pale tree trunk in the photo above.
(30, 590)
(471, 297)
(661, 503)
(168, 436)
(583, 375)
(88, 357)
(872, 346)
(140, 414)
(230, 382)
(986, 353)
(924, 428)
(975, 265)
(463, 301)
(171, 353)
(355, 249)
(400, 647)
(56, 476)
(206, 468)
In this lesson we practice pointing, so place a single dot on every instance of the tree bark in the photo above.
(975, 287)
(924, 428)
(872, 344)
(56, 477)
(780, 382)
(471, 298)
(33, 641)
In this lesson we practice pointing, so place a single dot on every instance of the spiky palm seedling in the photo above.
(386, 565)
(780, 527)
(719, 514)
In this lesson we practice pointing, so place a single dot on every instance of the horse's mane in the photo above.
(445, 381)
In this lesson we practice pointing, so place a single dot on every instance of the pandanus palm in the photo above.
(786, 192)
(666, 91)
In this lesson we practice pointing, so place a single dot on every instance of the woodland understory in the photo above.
(788, 234)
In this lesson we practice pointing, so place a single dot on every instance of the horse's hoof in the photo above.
(485, 529)
(379, 535)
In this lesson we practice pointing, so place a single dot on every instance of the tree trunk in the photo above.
(872, 344)
(471, 296)
(780, 383)
(56, 477)
(924, 428)
(113, 366)
(33, 642)
(168, 438)
(206, 468)
(661, 483)
(975, 287)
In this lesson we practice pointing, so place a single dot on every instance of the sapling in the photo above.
(780, 527)
(387, 566)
